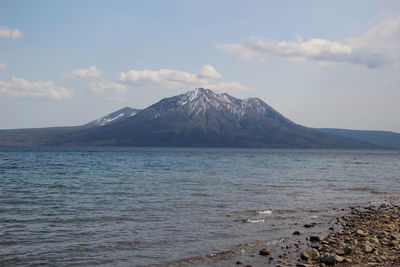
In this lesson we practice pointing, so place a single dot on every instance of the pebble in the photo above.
(314, 238)
(367, 248)
(361, 233)
(265, 252)
(303, 265)
(310, 254)
(329, 258)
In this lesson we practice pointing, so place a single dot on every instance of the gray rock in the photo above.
(348, 250)
(338, 251)
(361, 233)
(315, 238)
(339, 259)
(265, 252)
(310, 254)
(366, 248)
(303, 265)
(374, 240)
(329, 259)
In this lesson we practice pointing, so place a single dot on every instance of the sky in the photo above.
(328, 64)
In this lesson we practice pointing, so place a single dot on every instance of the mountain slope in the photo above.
(385, 138)
(118, 115)
(202, 118)
(41, 136)
(33, 136)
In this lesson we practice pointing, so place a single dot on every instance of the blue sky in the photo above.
(320, 63)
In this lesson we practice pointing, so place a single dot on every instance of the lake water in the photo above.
(145, 206)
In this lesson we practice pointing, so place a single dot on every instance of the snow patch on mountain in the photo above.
(115, 116)
(106, 120)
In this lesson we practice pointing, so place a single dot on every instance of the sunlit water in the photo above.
(144, 206)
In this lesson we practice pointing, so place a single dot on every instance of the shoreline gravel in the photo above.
(363, 236)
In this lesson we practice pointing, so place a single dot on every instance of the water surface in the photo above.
(144, 206)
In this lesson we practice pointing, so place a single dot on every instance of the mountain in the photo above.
(32, 136)
(118, 115)
(202, 118)
(384, 138)
(41, 136)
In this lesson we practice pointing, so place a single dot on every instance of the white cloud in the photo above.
(90, 72)
(383, 39)
(317, 50)
(375, 48)
(314, 48)
(178, 79)
(107, 86)
(162, 77)
(19, 87)
(3, 66)
(209, 72)
(380, 35)
(9, 33)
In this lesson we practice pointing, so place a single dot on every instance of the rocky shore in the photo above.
(366, 237)
(362, 237)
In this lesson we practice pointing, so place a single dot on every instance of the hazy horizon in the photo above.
(325, 65)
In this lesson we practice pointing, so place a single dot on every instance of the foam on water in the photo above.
(254, 220)
(264, 212)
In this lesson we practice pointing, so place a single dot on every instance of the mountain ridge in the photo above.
(385, 138)
(197, 118)
(202, 118)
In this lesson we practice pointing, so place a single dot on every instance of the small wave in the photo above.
(261, 243)
(274, 242)
(375, 192)
(251, 213)
(200, 195)
(361, 189)
(361, 163)
(264, 212)
(254, 221)
(126, 243)
(203, 259)
(288, 211)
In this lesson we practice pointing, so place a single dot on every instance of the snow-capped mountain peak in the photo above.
(201, 101)
(196, 94)
(203, 106)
